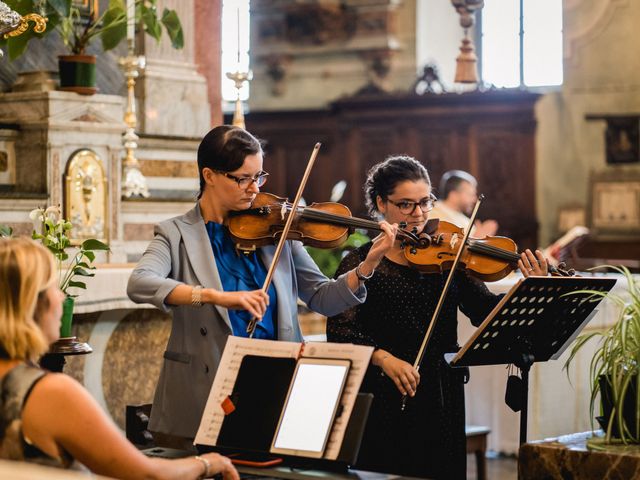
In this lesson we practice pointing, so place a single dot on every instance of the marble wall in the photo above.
(601, 76)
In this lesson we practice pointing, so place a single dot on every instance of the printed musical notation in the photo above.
(237, 347)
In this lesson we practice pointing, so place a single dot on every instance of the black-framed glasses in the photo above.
(243, 182)
(407, 207)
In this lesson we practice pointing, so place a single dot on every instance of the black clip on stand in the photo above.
(535, 322)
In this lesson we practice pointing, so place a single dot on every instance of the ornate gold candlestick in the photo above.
(239, 78)
(133, 182)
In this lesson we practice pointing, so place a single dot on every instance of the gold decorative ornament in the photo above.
(86, 196)
(466, 71)
(239, 78)
(133, 181)
(40, 25)
(13, 24)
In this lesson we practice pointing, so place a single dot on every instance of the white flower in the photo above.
(37, 217)
(53, 213)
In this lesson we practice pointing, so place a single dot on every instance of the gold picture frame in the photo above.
(614, 203)
(86, 197)
(570, 216)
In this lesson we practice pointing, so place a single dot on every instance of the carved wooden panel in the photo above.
(491, 135)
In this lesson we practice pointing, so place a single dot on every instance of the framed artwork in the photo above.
(615, 203)
(570, 216)
(622, 137)
(86, 197)
(7, 157)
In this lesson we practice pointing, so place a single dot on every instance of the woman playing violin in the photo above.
(427, 439)
(192, 269)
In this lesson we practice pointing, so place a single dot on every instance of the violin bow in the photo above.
(436, 313)
(251, 326)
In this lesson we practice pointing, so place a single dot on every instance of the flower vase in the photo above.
(67, 317)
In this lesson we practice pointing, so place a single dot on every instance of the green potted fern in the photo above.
(614, 367)
(78, 31)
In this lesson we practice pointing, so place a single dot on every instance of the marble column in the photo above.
(172, 95)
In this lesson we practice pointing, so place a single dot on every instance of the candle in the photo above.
(131, 23)
(238, 18)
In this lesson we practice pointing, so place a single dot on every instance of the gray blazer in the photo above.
(181, 253)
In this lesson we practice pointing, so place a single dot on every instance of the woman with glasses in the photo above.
(427, 439)
(192, 269)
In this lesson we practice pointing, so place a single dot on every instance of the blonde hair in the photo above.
(27, 269)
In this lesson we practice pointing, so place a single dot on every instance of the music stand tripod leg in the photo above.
(524, 365)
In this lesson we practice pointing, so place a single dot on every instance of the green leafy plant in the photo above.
(614, 367)
(5, 230)
(78, 31)
(53, 231)
(328, 259)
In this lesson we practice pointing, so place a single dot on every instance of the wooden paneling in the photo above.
(489, 134)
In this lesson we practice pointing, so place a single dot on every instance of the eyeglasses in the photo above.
(243, 182)
(407, 207)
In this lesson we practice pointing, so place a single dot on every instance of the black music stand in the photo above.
(535, 322)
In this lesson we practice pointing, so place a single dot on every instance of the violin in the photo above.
(321, 225)
(489, 259)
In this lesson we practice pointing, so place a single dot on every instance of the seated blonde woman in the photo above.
(49, 418)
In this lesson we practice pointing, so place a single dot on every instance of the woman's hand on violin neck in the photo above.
(533, 265)
(381, 244)
(405, 377)
(254, 301)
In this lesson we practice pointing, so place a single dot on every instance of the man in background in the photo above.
(457, 197)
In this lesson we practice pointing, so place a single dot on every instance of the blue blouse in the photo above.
(242, 272)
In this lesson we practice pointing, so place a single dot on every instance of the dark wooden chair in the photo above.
(477, 444)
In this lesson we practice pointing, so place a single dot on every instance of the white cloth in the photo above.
(443, 212)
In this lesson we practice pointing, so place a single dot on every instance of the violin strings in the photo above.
(494, 251)
(314, 214)
(320, 215)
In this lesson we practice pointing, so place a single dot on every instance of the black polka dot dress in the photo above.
(427, 439)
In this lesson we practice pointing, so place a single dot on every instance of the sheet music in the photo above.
(359, 356)
(234, 351)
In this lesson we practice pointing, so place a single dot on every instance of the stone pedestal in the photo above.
(51, 127)
(568, 457)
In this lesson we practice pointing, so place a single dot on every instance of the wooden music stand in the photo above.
(535, 322)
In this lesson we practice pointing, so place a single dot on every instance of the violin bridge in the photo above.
(283, 210)
(453, 241)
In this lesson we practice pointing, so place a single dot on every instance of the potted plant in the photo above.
(613, 372)
(53, 231)
(77, 31)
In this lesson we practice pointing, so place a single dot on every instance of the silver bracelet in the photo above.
(206, 464)
(196, 296)
(362, 277)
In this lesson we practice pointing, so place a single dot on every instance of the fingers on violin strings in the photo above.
(523, 269)
(542, 261)
(533, 261)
